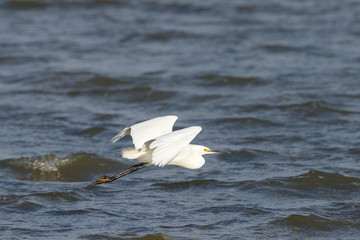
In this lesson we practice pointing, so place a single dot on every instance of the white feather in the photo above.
(121, 134)
(131, 153)
(156, 144)
(148, 130)
(167, 146)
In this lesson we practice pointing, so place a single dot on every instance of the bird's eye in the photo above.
(206, 149)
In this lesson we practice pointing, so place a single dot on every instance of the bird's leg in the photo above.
(106, 179)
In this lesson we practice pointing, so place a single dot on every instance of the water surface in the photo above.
(275, 82)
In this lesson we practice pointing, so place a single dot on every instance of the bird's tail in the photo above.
(131, 153)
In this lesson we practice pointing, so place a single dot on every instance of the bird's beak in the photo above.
(211, 151)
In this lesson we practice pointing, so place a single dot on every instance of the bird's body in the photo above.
(186, 157)
(156, 144)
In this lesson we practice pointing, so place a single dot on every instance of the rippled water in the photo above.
(274, 82)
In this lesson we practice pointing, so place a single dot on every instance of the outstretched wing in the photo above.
(148, 130)
(169, 145)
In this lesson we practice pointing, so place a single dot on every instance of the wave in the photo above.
(314, 108)
(311, 185)
(318, 179)
(89, 81)
(314, 183)
(104, 81)
(281, 48)
(26, 4)
(312, 221)
(217, 80)
(130, 94)
(250, 211)
(49, 167)
(206, 183)
(92, 131)
(160, 36)
(35, 201)
(131, 236)
(64, 4)
(237, 122)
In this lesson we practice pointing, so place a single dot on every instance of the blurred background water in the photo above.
(275, 82)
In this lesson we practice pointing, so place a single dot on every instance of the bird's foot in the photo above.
(103, 179)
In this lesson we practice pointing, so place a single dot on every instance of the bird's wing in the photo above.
(169, 145)
(148, 130)
(121, 134)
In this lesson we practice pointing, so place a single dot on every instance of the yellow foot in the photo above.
(103, 179)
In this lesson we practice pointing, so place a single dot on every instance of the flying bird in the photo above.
(156, 144)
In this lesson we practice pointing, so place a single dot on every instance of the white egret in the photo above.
(156, 144)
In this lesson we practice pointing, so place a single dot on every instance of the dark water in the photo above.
(277, 83)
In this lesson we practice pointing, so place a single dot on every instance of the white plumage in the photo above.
(156, 143)
(145, 131)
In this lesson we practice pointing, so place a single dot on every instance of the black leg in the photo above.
(106, 179)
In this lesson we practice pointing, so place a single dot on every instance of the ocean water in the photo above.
(276, 83)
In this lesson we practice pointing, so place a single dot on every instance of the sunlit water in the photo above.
(274, 82)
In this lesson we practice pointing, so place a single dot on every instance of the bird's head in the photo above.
(205, 150)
